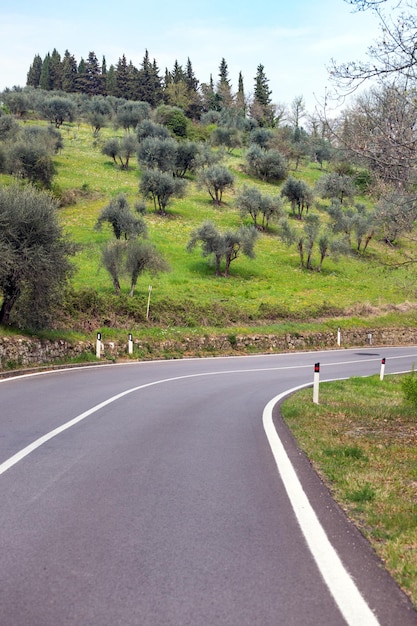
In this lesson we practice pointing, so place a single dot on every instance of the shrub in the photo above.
(409, 387)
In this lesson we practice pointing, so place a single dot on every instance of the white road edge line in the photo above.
(342, 587)
(348, 598)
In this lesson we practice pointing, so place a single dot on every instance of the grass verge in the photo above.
(362, 439)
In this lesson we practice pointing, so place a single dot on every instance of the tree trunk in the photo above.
(218, 262)
(301, 253)
(9, 300)
(116, 285)
(367, 240)
(226, 269)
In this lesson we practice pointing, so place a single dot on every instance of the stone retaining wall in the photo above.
(18, 352)
(28, 351)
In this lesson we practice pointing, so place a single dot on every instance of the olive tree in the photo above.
(311, 236)
(142, 256)
(99, 112)
(49, 137)
(155, 152)
(111, 148)
(148, 128)
(9, 127)
(226, 136)
(58, 109)
(395, 217)
(299, 194)
(216, 179)
(129, 254)
(112, 258)
(161, 187)
(260, 136)
(131, 113)
(223, 247)
(268, 165)
(336, 185)
(121, 219)
(121, 150)
(34, 256)
(262, 208)
(186, 158)
(31, 161)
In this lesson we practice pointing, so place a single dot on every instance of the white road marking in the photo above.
(347, 596)
(76, 420)
(228, 358)
(11, 461)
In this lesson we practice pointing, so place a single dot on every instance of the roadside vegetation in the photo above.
(361, 438)
(244, 216)
(267, 287)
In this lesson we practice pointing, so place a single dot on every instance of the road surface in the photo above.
(170, 493)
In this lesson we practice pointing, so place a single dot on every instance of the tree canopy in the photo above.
(34, 256)
(224, 247)
(177, 88)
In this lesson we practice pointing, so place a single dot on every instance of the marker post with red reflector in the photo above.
(316, 383)
(381, 375)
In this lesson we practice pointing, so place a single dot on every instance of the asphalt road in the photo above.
(170, 493)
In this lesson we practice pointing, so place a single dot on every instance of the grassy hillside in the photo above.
(267, 289)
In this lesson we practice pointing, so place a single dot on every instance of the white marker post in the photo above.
(98, 345)
(381, 375)
(338, 336)
(370, 338)
(130, 344)
(149, 301)
(316, 383)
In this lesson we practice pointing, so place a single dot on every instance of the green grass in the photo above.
(362, 438)
(273, 277)
(270, 286)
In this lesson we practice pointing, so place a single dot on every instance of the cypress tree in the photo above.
(80, 75)
(178, 74)
(69, 73)
(150, 89)
(34, 74)
(92, 79)
(190, 79)
(209, 96)
(56, 70)
(240, 96)
(157, 82)
(134, 82)
(262, 110)
(224, 91)
(111, 84)
(45, 79)
(122, 79)
(195, 106)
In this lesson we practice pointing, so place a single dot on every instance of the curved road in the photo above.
(170, 493)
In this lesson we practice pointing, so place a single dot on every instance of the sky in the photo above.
(294, 40)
